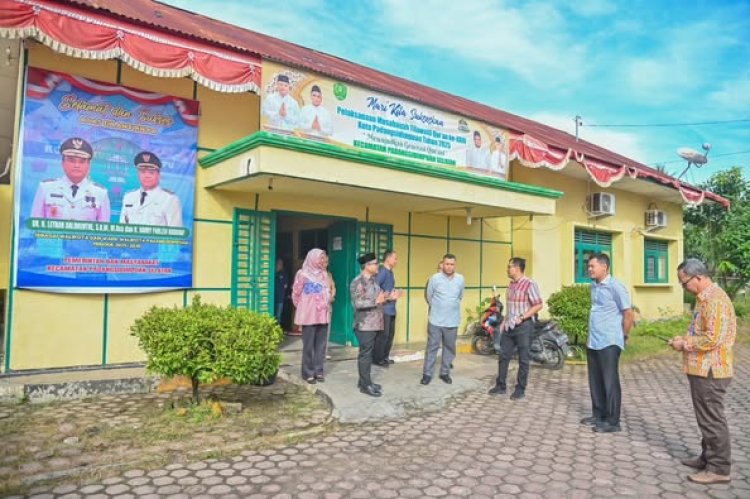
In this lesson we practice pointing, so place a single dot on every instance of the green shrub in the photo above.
(206, 342)
(663, 329)
(570, 308)
(742, 306)
(473, 315)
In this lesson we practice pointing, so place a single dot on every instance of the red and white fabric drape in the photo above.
(89, 35)
(534, 153)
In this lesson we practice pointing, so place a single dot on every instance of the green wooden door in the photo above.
(342, 260)
(254, 241)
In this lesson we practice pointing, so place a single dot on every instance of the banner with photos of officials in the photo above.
(105, 187)
(315, 107)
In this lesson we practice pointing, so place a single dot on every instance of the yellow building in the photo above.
(354, 177)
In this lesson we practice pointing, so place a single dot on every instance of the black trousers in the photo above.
(517, 338)
(604, 383)
(384, 341)
(364, 359)
(708, 402)
(314, 340)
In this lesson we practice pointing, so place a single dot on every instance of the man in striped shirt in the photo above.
(524, 301)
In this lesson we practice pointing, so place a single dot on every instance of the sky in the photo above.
(644, 63)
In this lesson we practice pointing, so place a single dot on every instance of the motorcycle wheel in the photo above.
(553, 355)
(482, 345)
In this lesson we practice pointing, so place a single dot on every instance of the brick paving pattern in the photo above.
(481, 446)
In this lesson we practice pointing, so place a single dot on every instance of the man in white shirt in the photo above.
(280, 108)
(477, 155)
(74, 196)
(150, 205)
(314, 118)
(499, 160)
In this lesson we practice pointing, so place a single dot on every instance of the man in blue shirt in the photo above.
(444, 293)
(387, 282)
(609, 324)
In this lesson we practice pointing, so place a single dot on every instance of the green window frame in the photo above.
(588, 243)
(655, 261)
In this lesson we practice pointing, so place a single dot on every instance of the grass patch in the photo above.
(83, 440)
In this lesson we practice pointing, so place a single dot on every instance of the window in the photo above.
(587, 243)
(655, 261)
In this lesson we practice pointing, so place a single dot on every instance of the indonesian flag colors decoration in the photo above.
(89, 35)
(534, 153)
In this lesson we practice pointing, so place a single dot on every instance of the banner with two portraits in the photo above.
(105, 187)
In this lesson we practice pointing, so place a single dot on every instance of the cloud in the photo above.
(732, 97)
(593, 8)
(626, 144)
(522, 39)
(677, 61)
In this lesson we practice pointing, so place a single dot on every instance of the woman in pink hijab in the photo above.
(311, 294)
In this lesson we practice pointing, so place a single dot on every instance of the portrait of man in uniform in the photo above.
(74, 196)
(150, 204)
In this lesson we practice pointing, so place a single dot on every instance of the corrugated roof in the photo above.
(196, 26)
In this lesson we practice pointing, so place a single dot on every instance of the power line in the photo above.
(645, 125)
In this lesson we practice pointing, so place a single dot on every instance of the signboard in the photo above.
(314, 107)
(105, 187)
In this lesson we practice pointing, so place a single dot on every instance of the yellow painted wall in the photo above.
(548, 241)
(72, 329)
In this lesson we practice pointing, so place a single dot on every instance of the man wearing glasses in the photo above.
(708, 362)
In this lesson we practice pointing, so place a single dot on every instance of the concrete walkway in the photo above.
(402, 392)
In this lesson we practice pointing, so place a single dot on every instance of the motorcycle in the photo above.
(549, 345)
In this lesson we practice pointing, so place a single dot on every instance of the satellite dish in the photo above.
(693, 157)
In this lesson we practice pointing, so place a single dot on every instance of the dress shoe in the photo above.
(605, 427)
(425, 379)
(496, 390)
(376, 386)
(591, 421)
(446, 379)
(370, 390)
(383, 363)
(706, 477)
(694, 462)
(391, 361)
(517, 395)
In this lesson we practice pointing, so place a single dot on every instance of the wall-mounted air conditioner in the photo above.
(655, 219)
(601, 204)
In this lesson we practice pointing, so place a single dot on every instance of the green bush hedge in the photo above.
(206, 342)
(570, 308)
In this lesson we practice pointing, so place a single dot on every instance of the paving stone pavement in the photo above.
(481, 446)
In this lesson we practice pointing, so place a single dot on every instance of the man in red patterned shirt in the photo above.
(524, 301)
(709, 364)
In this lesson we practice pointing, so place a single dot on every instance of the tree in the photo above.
(206, 342)
(721, 237)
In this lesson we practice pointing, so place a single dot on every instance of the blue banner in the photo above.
(105, 187)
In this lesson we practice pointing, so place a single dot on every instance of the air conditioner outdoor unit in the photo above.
(601, 203)
(656, 218)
